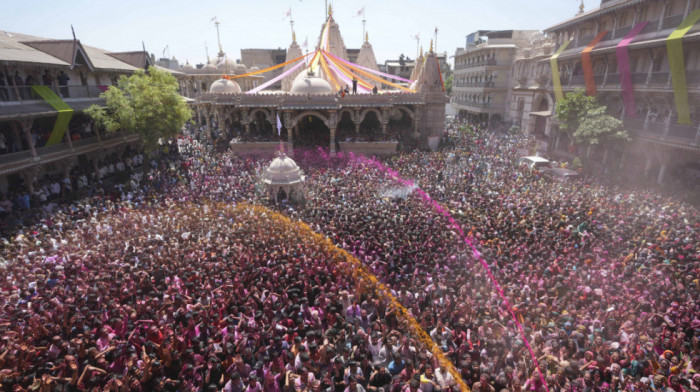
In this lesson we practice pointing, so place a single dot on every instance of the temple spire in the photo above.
(294, 36)
(330, 10)
(366, 37)
(431, 46)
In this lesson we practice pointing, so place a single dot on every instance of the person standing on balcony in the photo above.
(354, 85)
(3, 88)
(63, 82)
(46, 78)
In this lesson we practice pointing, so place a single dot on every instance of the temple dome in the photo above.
(209, 67)
(282, 171)
(239, 69)
(225, 86)
(306, 83)
(188, 67)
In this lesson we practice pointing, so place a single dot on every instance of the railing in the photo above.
(477, 84)
(659, 78)
(621, 32)
(639, 77)
(651, 27)
(658, 129)
(481, 64)
(672, 22)
(482, 105)
(692, 77)
(25, 93)
(613, 79)
(576, 80)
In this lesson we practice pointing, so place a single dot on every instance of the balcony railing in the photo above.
(481, 105)
(475, 84)
(659, 78)
(482, 64)
(658, 129)
(25, 93)
(621, 32)
(639, 78)
(672, 22)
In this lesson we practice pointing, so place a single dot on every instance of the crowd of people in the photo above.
(176, 284)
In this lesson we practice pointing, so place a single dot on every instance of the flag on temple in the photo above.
(279, 125)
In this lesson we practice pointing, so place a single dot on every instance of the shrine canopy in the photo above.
(337, 71)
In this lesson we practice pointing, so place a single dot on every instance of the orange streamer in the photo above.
(270, 68)
(587, 64)
(361, 72)
(324, 66)
(349, 74)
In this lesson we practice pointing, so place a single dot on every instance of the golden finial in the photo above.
(431, 46)
(421, 51)
(580, 8)
(366, 37)
(294, 36)
(330, 9)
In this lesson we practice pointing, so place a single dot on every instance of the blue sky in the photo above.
(185, 26)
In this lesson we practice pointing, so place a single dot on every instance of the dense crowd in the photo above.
(156, 286)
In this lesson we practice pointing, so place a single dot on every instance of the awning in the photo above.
(546, 113)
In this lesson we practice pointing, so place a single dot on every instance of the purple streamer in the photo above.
(274, 80)
(371, 70)
(623, 68)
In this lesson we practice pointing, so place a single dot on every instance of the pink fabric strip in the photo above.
(623, 68)
(275, 79)
(371, 70)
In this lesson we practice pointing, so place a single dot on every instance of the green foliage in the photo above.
(448, 84)
(573, 109)
(598, 127)
(144, 103)
(577, 163)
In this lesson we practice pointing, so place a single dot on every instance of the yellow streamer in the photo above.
(364, 279)
(270, 68)
(361, 72)
(347, 73)
(328, 72)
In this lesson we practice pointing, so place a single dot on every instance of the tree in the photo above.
(598, 127)
(147, 104)
(573, 109)
(448, 84)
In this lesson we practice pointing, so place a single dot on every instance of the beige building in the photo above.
(648, 106)
(482, 73)
(40, 76)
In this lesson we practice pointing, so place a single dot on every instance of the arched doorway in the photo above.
(541, 118)
(400, 124)
(346, 127)
(311, 132)
(370, 127)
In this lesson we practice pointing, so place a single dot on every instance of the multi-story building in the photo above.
(619, 52)
(45, 85)
(529, 103)
(482, 73)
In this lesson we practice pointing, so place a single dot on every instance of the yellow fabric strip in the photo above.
(361, 72)
(270, 68)
(65, 113)
(328, 72)
(349, 74)
(556, 81)
(676, 61)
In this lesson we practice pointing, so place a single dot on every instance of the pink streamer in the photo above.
(623, 68)
(345, 79)
(475, 253)
(371, 70)
(275, 79)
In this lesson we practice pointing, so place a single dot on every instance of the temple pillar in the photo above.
(287, 120)
(29, 176)
(384, 125)
(332, 142)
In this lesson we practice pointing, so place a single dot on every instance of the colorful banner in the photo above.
(269, 68)
(275, 79)
(342, 75)
(556, 81)
(386, 75)
(587, 64)
(324, 66)
(623, 68)
(65, 113)
(349, 74)
(361, 72)
(676, 61)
